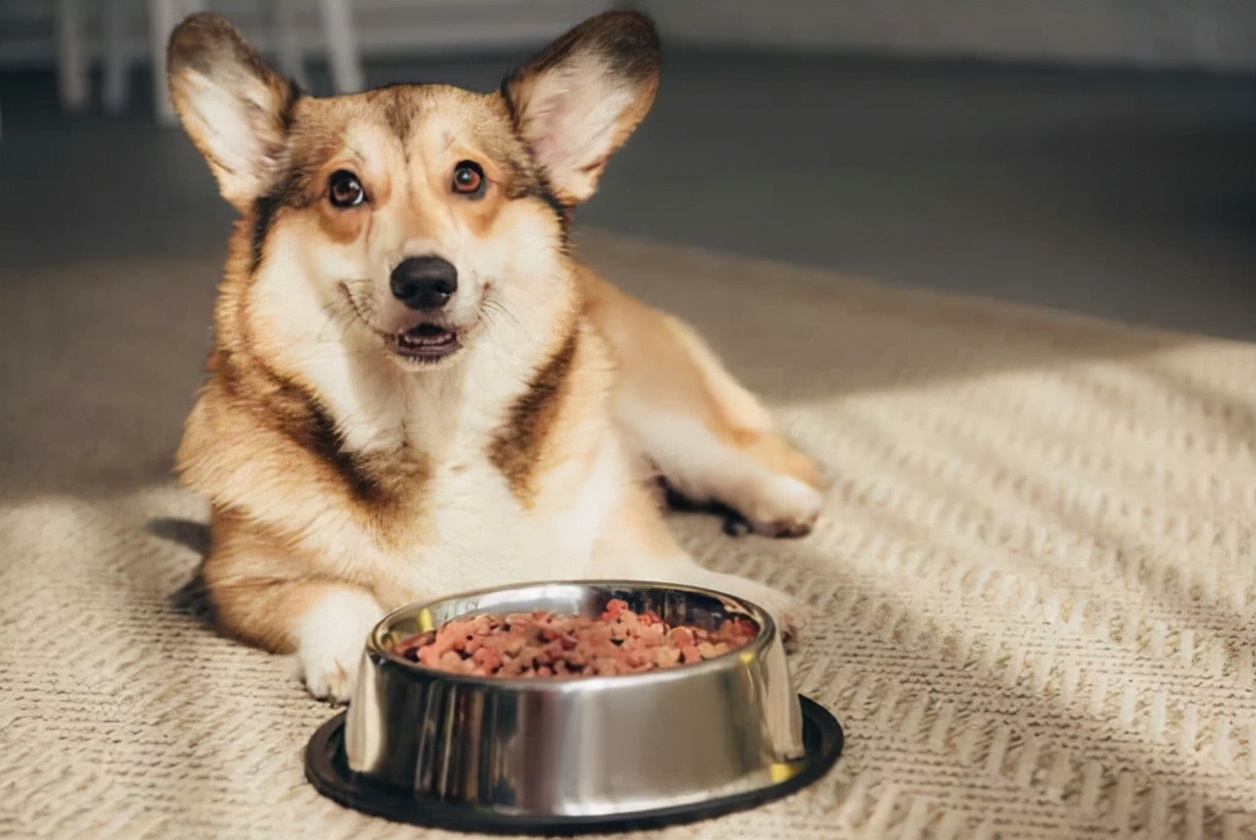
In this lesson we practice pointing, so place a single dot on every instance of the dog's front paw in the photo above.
(782, 507)
(791, 622)
(790, 614)
(328, 676)
(332, 635)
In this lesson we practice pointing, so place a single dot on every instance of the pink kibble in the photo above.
(544, 645)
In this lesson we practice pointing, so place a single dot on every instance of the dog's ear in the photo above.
(233, 105)
(577, 102)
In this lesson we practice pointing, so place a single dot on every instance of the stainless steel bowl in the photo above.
(515, 754)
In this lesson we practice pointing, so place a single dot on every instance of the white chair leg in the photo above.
(71, 55)
(163, 17)
(342, 46)
(287, 43)
(117, 68)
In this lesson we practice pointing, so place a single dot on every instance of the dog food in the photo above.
(542, 644)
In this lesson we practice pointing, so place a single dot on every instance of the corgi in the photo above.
(414, 387)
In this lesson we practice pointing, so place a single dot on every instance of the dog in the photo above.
(414, 387)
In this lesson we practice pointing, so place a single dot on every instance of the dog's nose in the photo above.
(424, 282)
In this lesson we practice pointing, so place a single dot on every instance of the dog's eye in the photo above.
(345, 189)
(469, 179)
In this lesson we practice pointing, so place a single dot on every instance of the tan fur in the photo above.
(347, 479)
(260, 588)
(664, 367)
(519, 449)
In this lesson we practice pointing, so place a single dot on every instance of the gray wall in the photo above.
(1212, 34)
(384, 27)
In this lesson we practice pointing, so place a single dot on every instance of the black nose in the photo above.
(424, 282)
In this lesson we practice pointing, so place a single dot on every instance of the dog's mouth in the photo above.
(425, 343)
(421, 344)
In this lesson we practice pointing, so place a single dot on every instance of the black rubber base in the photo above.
(327, 769)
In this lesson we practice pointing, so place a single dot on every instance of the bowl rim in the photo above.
(758, 645)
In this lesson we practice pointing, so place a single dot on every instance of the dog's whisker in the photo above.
(496, 306)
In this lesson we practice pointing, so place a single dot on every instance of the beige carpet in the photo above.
(1034, 584)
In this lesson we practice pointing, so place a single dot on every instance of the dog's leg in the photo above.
(259, 598)
(709, 437)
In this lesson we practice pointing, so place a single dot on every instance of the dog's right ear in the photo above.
(578, 101)
(233, 105)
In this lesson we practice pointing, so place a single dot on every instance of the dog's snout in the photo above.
(424, 282)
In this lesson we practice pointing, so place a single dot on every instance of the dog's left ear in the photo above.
(577, 102)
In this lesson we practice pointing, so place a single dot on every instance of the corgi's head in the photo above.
(409, 215)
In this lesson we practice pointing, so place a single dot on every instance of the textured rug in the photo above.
(1034, 583)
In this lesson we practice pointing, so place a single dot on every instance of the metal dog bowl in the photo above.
(574, 754)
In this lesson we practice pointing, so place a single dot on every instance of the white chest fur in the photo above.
(482, 535)
(476, 531)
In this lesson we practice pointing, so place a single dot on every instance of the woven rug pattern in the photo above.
(1034, 585)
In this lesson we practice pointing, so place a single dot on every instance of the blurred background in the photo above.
(1093, 155)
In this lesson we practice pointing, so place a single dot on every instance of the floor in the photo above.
(1121, 194)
